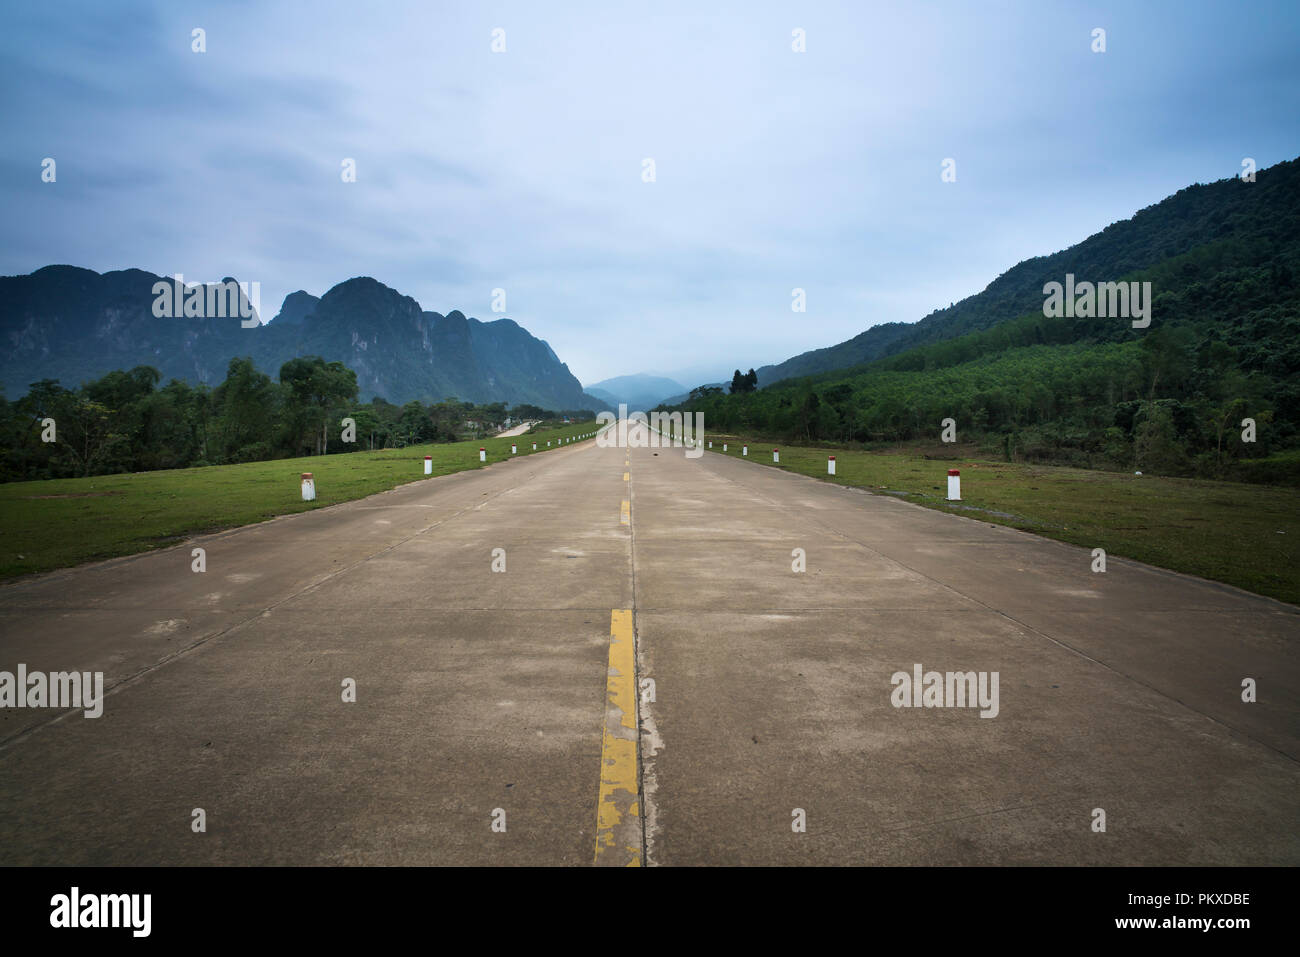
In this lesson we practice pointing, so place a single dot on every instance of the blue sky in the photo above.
(523, 170)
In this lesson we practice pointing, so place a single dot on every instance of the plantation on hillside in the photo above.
(1223, 346)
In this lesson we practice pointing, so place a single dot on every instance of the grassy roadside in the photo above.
(60, 522)
(1244, 535)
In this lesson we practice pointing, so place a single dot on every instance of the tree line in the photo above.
(126, 421)
(1213, 383)
(1168, 404)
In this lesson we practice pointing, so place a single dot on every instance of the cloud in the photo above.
(523, 170)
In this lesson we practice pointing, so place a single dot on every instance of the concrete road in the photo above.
(519, 429)
(649, 680)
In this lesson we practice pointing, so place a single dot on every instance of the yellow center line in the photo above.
(627, 476)
(625, 515)
(618, 808)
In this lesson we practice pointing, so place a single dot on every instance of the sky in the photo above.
(524, 169)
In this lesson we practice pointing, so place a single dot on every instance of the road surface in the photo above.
(649, 681)
(519, 429)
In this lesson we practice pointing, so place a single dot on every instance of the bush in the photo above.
(1280, 469)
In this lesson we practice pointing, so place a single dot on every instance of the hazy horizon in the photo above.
(477, 170)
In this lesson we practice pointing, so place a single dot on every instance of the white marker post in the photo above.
(308, 488)
(710, 443)
(534, 446)
(724, 446)
(954, 485)
(830, 465)
(428, 465)
(744, 450)
(776, 455)
(513, 450)
(482, 455)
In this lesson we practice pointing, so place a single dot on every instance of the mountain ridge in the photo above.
(638, 390)
(1120, 249)
(73, 324)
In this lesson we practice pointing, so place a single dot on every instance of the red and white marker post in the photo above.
(830, 465)
(776, 455)
(482, 455)
(954, 485)
(428, 465)
(308, 488)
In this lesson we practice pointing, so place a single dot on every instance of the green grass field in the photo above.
(1244, 535)
(61, 522)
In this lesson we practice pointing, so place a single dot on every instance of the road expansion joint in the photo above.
(645, 720)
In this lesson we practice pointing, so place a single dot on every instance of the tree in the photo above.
(368, 425)
(806, 415)
(415, 425)
(118, 390)
(744, 383)
(1155, 442)
(526, 412)
(86, 432)
(1167, 357)
(316, 390)
(245, 405)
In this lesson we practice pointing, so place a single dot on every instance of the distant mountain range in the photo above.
(73, 324)
(639, 391)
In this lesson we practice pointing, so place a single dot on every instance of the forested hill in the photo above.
(1260, 214)
(1223, 345)
(75, 325)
